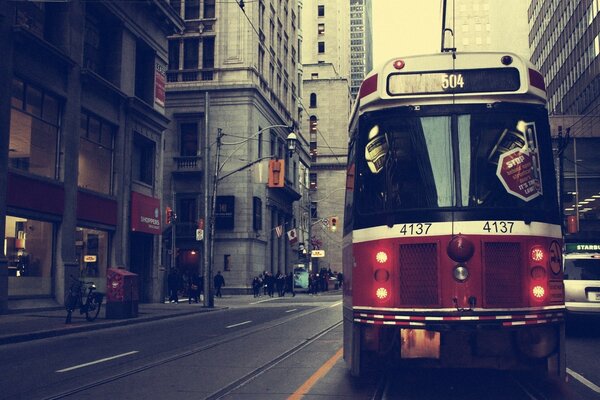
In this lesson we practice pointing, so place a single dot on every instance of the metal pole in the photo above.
(211, 298)
(207, 220)
(576, 183)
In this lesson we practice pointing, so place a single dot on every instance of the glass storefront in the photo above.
(29, 245)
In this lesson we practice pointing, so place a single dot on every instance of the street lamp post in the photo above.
(210, 211)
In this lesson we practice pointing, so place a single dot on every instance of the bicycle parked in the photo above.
(74, 298)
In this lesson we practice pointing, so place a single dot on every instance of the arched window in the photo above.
(313, 100)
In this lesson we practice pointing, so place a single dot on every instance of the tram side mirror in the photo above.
(376, 150)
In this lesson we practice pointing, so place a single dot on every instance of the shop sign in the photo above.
(90, 258)
(145, 214)
(160, 80)
(317, 253)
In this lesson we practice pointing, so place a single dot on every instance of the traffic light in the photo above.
(276, 173)
(333, 224)
(169, 213)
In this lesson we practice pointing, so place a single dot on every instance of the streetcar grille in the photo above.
(419, 274)
(502, 274)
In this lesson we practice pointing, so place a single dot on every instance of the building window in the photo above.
(29, 245)
(34, 130)
(96, 147)
(314, 213)
(208, 52)
(100, 48)
(257, 213)
(209, 8)
(190, 53)
(321, 47)
(321, 11)
(321, 29)
(144, 72)
(174, 54)
(143, 159)
(313, 181)
(188, 134)
(313, 100)
(192, 9)
(92, 252)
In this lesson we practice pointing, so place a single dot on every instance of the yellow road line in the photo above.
(320, 373)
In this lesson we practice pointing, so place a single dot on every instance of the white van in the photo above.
(582, 278)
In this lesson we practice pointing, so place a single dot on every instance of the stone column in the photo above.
(6, 72)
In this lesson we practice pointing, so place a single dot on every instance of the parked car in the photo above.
(582, 283)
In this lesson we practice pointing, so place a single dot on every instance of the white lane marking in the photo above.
(292, 310)
(335, 304)
(241, 323)
(265, 300)
(581, 379)
(97, 361)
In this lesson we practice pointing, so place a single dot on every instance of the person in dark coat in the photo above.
(173, 283)
(219, 281)
(194, 288)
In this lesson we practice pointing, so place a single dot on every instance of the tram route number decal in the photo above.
(415, 229)
(452, 81)
(498, 226)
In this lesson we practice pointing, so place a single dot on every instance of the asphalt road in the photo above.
(286, 348)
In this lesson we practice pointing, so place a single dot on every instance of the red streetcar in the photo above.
(452, 229)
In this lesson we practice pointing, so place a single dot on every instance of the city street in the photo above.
(264, 348)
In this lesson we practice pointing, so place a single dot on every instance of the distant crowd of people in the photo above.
(271, 284)
(265, 284)
(191, 285)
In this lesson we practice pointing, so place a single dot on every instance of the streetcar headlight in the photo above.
(381, 293)
(460, 273)
(381, 257)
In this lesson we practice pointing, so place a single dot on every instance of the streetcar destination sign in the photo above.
(454, 81)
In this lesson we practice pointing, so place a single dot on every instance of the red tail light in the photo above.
(537, 254)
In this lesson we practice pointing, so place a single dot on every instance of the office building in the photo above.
(82, 101)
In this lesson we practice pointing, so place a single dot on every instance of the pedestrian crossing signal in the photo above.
(169, 213)
(276, 173)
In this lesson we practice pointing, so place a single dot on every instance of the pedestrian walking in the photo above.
(219, 281)
(173, 282)
(194, 288)
(256, 284)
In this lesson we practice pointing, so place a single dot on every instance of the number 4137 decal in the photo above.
(415, 229)
(498, 226)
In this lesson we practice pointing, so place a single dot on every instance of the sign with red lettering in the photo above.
(145, 214)
(517, 170)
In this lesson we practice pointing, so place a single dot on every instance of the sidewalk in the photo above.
(43, 323)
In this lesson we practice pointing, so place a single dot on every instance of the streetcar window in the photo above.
(433, 159)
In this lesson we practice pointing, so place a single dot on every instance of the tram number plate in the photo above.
(415, 229)
(594, 296)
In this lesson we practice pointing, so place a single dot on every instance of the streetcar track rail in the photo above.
(212, 344)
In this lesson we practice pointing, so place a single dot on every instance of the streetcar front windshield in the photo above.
(465, 157)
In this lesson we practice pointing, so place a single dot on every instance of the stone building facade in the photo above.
(82, 101)
(232, 92)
